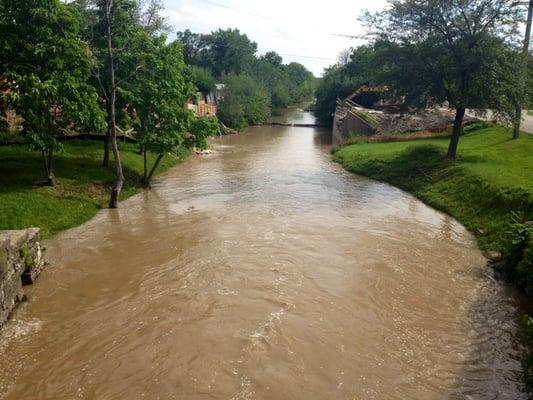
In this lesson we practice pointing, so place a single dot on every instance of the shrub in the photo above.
(244, 102)
(200, 129)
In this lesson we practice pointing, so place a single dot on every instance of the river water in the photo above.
(264, 271)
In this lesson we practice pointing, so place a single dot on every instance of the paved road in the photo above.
(527, 123)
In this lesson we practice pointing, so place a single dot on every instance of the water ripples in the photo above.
(264, 272)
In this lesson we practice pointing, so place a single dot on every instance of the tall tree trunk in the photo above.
(119, 182)
(145, 174)
(49, 168)
(51, 177)
(517, 121)
(107, 143)
(148, 179)
(523, 72)
(456, 134)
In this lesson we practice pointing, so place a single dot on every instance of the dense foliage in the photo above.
(203, 80)
(341, 80)
(158, 92)
(68, 67)
(226, 54)
(245, 102)
(453, 51)
(286, 84)
(45, 67)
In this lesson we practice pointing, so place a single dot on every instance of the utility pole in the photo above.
(523, 72)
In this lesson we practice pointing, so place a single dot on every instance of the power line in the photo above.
(229, 46)
(301, 56)
(216, 4)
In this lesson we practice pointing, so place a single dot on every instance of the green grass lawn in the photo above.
(492, 178)
(83, 184)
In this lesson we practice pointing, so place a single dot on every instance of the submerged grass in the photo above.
(83, 185)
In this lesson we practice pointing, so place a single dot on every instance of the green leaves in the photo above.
(286, 84)
(200, 129)
(455, 51)
(48, 66)
(158, 93)
(244, 102)
(203, 79)
(222, 51)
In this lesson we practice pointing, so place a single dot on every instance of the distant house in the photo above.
(205, 104)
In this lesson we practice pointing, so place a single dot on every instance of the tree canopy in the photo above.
(46, 67)
(342, 79)
(222, 51)
(244, 102)
(455, 51)
(229, 52)
(107, 66)
(158, 92)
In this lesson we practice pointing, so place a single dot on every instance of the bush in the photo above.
(244, 102)
(519, 253)
(336, 84)
(200, 129)
(203, 79)
(231, 113)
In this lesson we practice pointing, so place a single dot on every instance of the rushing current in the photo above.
(264, 271)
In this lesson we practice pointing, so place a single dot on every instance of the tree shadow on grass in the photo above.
(410, 169)
(487, 146)
(22, 170)
(447, 186)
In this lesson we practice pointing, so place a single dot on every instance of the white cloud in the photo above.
(300, 30)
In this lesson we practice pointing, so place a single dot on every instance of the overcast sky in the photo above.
(299, 30)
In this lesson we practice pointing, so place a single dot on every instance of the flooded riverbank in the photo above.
(264, 271)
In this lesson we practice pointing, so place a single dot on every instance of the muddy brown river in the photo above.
(264, 271)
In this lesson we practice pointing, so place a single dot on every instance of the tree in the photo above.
(287, 84)
(270, 73)
(158, 94)
(46, 67)
(301, 82)
(199, 130)
(193, 46)
(273, 58)
(448, 50)
(133, 23)
(119, 32)
(150, 17)
(108, 9)
(244, 102)
(222, 51)
(341, 80)
(523, 74)
(203, 79)
(343, 57)
(120, 42)
(230, 51)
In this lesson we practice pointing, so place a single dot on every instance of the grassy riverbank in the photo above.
(83, 184)
(487, 189)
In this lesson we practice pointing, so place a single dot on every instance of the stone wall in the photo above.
(21, 262)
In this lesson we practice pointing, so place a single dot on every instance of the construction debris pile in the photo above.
(351, 120)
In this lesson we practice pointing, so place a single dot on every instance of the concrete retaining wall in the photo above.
(347, 123)
(21, 262)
